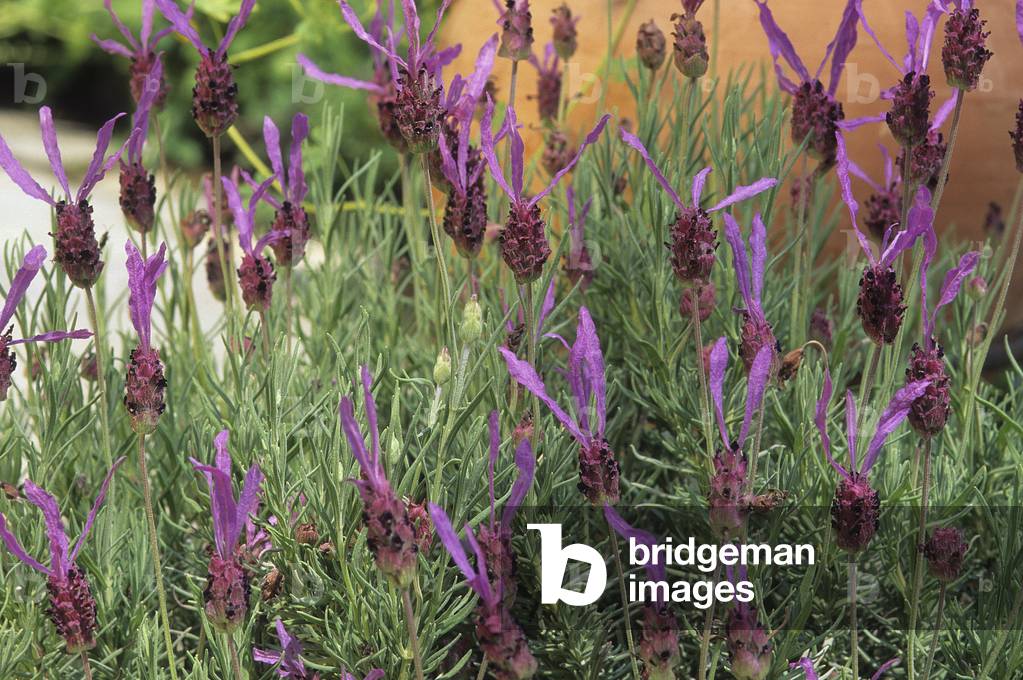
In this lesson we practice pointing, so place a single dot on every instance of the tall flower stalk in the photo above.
(144, 400)
(72, 608)
(214, 104)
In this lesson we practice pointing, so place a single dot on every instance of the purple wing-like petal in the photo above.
(1019, 19)
(297, 188)
(949, 287)
(851, 427)
(30, 266)
(235, 25)
(891, 418)
(142, 280)
(873, 36)
(478, 79)
(54, 336)
(223, 507)
(942, 114)
(518, 151)
(371, 414)
(489, 152)
(375, 674)
(112, 47)
(20, 176)
(241, 217)
(15, 548)
(820, 419)
(758, 246)
(842, 171)
(355, 441)
(806, 665)
(743, 193)
(588, 358)
(352, 19)
(272, 140)
(655, 569)
(477, 578)
(525, 461)
(316, 73)
(100, 497)
(699, 182)
(148, 8)
(526, 375)
(248, 502)
(222, 455)
(267, 656)
(780, 46)
(845, 41)
(741, 262)
(122, 29)
(54, 526)
(98, 166)
(718, 365)
(633, 141)
(181, 23)
(52, 150)
(760, 372)
(887, 665)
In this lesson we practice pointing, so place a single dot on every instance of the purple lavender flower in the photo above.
(289, 659)
(815, 111)
(556, 151)
(516, 24)
(693, 241)
(77, 250)
(749, 645)
(658, 642)
(880, 304)
(30, 266)
(290, 220)
(578, 264)
(138, 186)
(855, 510)
(548, 83)
(375, 674)
(690, 45)
(215, 95)
(144, 384)
(417, 109)
(965, 50)
(822, 328)
(944, 551)
(931, 410)
(228, 583)
(495, 537)
(255, 275)
(806, 665)
(524, 245)
(141, 51)
(651, 45)
(911, 97)
(461, 164)
(566, 39)
(756, 331)
(729, 499)
(390, 534)
(72, 608)
(598, 469)
(502, 640)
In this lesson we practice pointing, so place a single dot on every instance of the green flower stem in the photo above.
(937, 632)
(705, 416)
(226, 271)
(410, 622)
(104, 415)
(918, 569)
(947, 160)
(854, 634)
(154, 548)
(708, 624)
(444, 308)
(236, 664)
(625, 602)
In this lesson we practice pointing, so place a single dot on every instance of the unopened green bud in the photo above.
(472, 322)
(442, 369)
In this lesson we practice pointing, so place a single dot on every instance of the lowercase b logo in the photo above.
(554, 561)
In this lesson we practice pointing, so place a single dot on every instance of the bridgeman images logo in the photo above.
(555, 558)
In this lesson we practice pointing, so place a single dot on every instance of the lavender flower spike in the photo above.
(806, 665)
(141, 50)
(138, 186)
(756, 331)
(658, 643)
(72, 608)
(495, 537)
(30, 266)
(289, 659)
(856, 506)
(290, 220)
(693, 241)
(215, 95)
(144, 383)
(524, 245)
(548, 83)
(77, 250)
(598, 469)
(227, 586)
(256, 274)
(815, 111)
(390, 534)
(500, 637)
(729, 498)
(880, 304)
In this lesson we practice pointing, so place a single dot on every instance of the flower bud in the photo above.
(651, 45)
(693, 244)
(307, 534)
(909, 117)
(880, 304)
(215, 95)
(727, 500)
(256, 277)
(557, 154)
(822, 328)
(524, 245)
(77, 250)
(565, 35)
(138, 197)
(944, 552)
(214, 274)
(194, 226)
(442, 367)
(930, 411)
(977, 288)
(472, 321)
(855, 514)
(599, 473)
(749, 646)
(815, 118)
(691, 57)
(144, 388)
(884, 209)
(658, 643)
(226, 595)
(72, 609)
(418, 112)
(790, 364)
(517, 31)
(965, 51)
